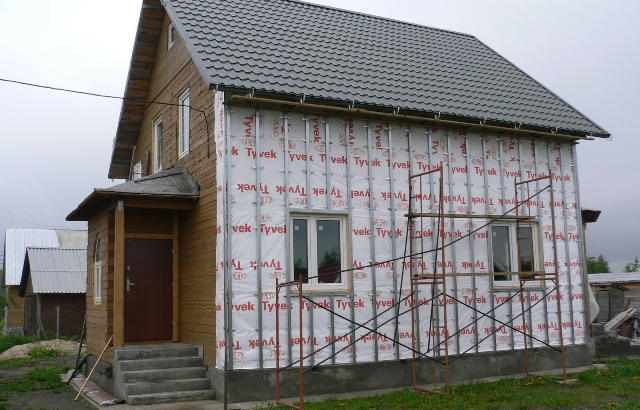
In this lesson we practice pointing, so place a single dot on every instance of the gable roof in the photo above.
(294, 48)
(298, 50)
(55, 270)
(16, 242)
(173, 183)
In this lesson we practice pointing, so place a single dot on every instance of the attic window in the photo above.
(172, 36)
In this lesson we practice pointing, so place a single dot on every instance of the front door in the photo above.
(148, 295)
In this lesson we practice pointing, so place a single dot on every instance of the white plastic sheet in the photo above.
(361, 169)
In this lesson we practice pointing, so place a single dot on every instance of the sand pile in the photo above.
(63, 346)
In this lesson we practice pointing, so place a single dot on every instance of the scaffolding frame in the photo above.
(439, 298)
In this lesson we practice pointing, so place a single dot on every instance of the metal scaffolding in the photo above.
(440, 302)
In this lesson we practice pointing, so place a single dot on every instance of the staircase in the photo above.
(153, 374)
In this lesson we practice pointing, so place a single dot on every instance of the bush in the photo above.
(8, 341)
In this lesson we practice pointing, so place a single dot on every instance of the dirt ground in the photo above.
(54, 399)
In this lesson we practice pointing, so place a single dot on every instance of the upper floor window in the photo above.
(171, 36)
(183, 124)
(319, 251)
(507, 256)
(157, 145)
(97, 272)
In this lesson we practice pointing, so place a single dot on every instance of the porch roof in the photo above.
(175, 184)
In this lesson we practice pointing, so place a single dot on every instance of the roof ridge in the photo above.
(306, 3)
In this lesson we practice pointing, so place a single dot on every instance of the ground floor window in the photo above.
(514, 249)
(319, 250)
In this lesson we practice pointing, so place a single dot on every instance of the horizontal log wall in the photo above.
(100, 316)
(174, 72)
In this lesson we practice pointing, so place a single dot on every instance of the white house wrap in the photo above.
(272, 165)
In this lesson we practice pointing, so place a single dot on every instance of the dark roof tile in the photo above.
(295, 48)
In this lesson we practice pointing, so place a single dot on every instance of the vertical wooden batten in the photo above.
(176, 279)
(118, 277)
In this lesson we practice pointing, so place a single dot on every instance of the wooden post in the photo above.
(6, 319)
(118, 277)
(40, 332)
(94, 367)
(58, 322)
(176, 279)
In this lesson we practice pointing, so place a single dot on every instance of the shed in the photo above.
(54, 283)
(621, 287)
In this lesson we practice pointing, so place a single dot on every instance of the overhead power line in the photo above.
(66, 90)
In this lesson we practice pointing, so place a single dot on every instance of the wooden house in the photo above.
(16, 242)
(281, 140)
(54, 286)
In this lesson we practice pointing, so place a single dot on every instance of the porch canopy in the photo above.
(174, 188)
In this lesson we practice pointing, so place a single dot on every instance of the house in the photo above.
(275, 141)
(54, 285)
(615, 292)
(16, 242)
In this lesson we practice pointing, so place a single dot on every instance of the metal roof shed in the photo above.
(54, 284)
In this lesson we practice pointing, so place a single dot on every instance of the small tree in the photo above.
(598, 265)
(633, 266)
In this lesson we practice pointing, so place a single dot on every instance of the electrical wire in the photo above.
(46, 87)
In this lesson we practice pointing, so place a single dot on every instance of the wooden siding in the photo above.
(16, 310)
(100, 316)
(148, 221)
(72, 309)
(174, 72)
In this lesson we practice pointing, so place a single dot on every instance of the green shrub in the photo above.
(8, 341)
(38, 351)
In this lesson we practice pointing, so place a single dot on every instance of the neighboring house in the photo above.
(16, 242)
(613, 291)
(293, 160)
(54, 287)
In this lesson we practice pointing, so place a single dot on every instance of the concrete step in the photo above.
(164, 374)
(158, 363)
(166, 386)
(152, 352)
(170, 397)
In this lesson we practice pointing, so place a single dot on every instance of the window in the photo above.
(171, 36)
(157, 145)
(319, 251)
(504, 247)
(97, 272)
(183, 125)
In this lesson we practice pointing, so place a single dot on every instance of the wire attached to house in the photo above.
(46, 87)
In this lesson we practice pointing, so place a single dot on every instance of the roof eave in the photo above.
(397, 112)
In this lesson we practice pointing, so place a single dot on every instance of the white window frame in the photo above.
(183, 124)
(313, 284)
(97, 271)
(157, 144)
(171, 38)
(513, 253)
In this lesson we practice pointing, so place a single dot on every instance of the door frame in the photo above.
(119, 253)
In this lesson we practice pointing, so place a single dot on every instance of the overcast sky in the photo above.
(55, 147)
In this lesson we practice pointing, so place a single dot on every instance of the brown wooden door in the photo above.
(148, 295)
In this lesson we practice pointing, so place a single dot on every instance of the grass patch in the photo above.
(38, 379)
(617, 386)
(39, 352)
(8, 341)
(17, 362)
